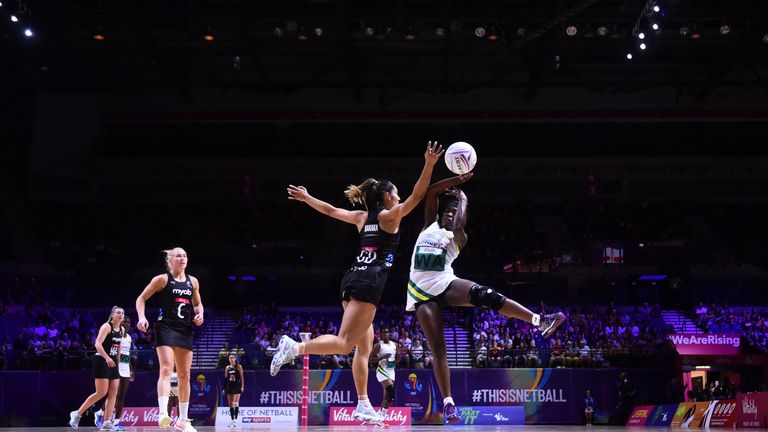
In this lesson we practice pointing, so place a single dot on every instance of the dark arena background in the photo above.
(621, 179)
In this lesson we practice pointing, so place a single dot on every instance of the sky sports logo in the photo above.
(247, 420)
(705, 340)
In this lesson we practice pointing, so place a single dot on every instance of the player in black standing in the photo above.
(233, 374)
(180, 307)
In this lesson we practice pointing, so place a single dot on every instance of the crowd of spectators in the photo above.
(258, 330)
(592, 336)
(750, 322)
(41, 337)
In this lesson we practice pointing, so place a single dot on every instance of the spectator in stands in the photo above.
(417, 354)
(223, 356)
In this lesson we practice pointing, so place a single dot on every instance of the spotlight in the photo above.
(14, 18)
(602, 31)
(521, 31)
(236, 64)
(319, 31)
(571, 31)
(28, 32)
(278, 31)
(493, 36)
(643, 46)
(1, 4)
(99, 34)
(684, 30)
(480, 31)
(641, 35)
(765, 38)
(629, 56)
(208, 35)
(410, 35)
(440, 32)
(655, 26)
(656, 9)
(370, 31)
(725, 29)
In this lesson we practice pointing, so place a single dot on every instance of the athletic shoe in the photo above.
(367, 414)
(118, 426)
(107, 426)
(283, 355)
(549, 323)
(451, 414)
(184, 426)
(98, 418)
(164, 421)
(74, 419)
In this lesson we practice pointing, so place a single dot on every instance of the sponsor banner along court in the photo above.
(396, 416)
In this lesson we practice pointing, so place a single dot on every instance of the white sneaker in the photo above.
(107, 426)
(367, 414)
(74, 419)
(164, 421)
(283, 355)
(184, 426)
(98, 418)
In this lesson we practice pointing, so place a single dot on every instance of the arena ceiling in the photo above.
(274, 46)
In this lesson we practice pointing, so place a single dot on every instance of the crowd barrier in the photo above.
(748, 410)
(545, 396)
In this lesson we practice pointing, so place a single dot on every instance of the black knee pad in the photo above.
(486, 297)
(389, 393)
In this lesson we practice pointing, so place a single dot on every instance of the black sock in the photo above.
(237, 411)
(232, 413)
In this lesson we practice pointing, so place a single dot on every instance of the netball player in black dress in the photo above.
(180, 307)
(233, 374)
(105, 371)
(364, 281)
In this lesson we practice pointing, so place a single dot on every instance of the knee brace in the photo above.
(486, 297)
(389, 393)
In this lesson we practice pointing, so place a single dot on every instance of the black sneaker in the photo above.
(549, 323)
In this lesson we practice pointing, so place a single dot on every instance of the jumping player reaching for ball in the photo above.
(432, 283)
(363, 283)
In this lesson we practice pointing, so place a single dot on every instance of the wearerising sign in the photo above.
(706, 344)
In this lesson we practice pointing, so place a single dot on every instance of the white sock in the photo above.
(383, 412)
(448, 400)
(536, 319)
(183, 409)
(162, 403)
(295, 349)
(365, 403)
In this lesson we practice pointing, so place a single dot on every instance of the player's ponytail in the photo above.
(369, 193)
(358, 194)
